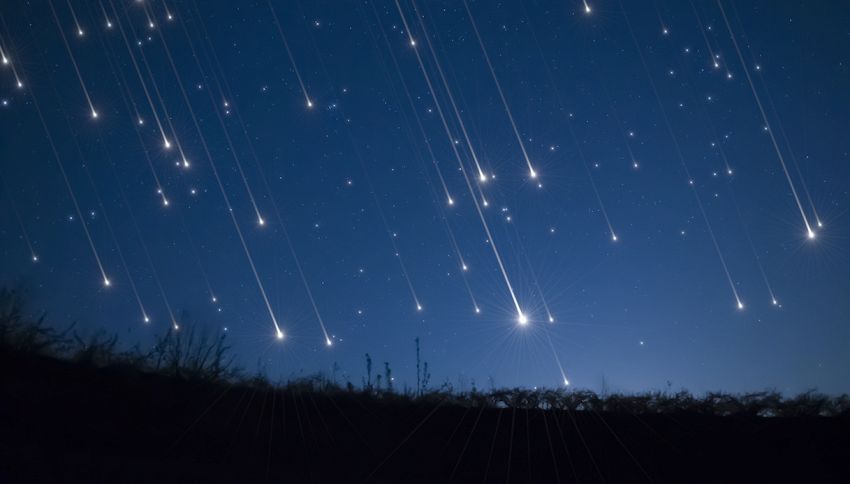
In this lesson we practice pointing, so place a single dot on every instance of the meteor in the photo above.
(71, 54)
(228, 205)
(291, 57)
(714, 57)
(61, 166)
(557, 360)
(183, 159)
(260, 220)
(682, 161)
(481, 176)
(469, 186)
(809, 232)
(532, 173)
(166, 143)
(7, 62)
(80, 32)
(20, 221)
(224, 88)
(413, 107)
(587, 9)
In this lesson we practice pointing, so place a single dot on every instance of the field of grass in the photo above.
(74, 410)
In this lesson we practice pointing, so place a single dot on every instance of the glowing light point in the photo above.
(551, 319)
(614, 237)
(328, 342)
(775, 302)
(820, 224)
(477, 310)
(740, 305)
(167, 144)
(165, 202)
(451, 201)
(522, 319)
(20, 85)
(80, 33)
(412, 43)
(482, 177)
(811, 234)
(106, 282)
(214, 299)
(419, 307)
(93, 114)
(261, 221)
(279, 335)
(146, 319)
(309, 104)
(108, 25)
(185, 163)
(464, 267)
(141, 122)
(587, 9)
(34, 258)
(566, 382)
(5, 60)
(532, 174)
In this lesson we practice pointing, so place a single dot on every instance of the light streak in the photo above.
(24, 232)
(80, 31)
(571, 130)
(564, 379)
(6, 61)
(682, 161)
(532, 173)
(165, 142)
(714, 57)
(222, 87)
(183, 159)
(260, 220)
(481, 176)
(492, 242)
(79, 212)
(230, 211)
(307, 99)
(71, 55)
(809, 232)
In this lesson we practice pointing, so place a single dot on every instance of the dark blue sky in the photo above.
(354, 184)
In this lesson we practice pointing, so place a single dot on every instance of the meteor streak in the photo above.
(809, 232)
(531, 172)
(682, 161)
(79, 212)
(291, 57)
(71, 54)
(492, 243)
(165, 142)
(224, 88)
(481, 176)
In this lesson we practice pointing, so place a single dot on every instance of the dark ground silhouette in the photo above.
(64, 421)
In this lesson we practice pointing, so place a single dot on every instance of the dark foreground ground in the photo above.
(65, 422)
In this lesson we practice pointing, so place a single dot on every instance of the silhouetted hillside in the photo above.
(179, 413)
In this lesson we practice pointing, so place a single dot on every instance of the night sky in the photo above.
(633, 189)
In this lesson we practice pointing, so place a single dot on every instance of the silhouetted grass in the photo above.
(190, 355)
